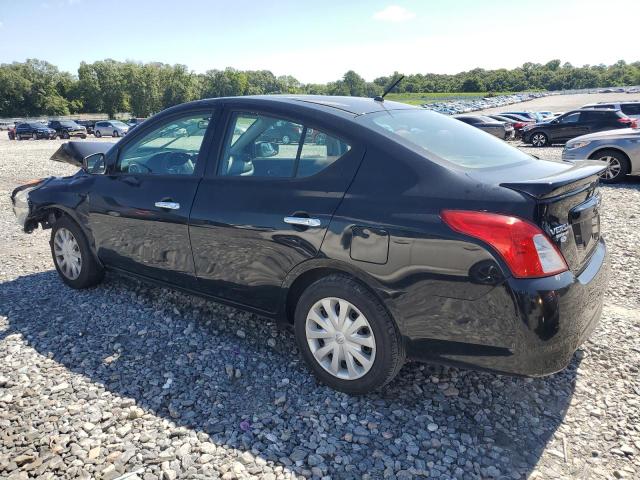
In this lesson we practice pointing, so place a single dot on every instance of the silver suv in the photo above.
(110, 128)
(630, 108)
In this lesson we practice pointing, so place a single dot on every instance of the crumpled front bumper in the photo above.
(22, 205)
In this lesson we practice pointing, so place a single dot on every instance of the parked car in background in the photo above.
(573, 124)
(282, 132)
(88, 124)
(134, 122)
(620, 149)
(68, 129)
(517, 125)
(6, 125)
(433, 233)
(535, 116)
(503, 130)
(515, 116)
(35, 130)
(111, 128)
(630, 109)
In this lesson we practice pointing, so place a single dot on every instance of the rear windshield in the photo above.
(445, 137)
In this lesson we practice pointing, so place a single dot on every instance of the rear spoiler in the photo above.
(75, 152)
(582, 173)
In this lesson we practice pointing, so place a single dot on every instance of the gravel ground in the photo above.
(133, 379)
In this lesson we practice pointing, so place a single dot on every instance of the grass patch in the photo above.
(420, 98)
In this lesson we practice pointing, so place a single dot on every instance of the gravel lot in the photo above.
(128, 378)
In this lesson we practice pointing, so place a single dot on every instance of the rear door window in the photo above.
(260, 145)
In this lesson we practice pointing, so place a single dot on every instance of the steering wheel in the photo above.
(138, 168)
(178, 163)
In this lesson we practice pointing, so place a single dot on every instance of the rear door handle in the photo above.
(303, 221)
(168, 205)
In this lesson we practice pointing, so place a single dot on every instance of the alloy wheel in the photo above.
(286, 139)
(614, 167)
(539, 140)
(67, 253)
(340, 338)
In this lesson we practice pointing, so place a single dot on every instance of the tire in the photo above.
(65, 135)
(617, 165)
(83, 136)
(115, 133)
(34, 136)
(540, 139)
(90, 272)
(98, 134)
(386, 355)
(321, 139)
(286, 139)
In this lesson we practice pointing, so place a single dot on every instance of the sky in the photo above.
(318, 41)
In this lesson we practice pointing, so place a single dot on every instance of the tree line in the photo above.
(36, 87)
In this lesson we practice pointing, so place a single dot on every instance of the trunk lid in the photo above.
(568, 209)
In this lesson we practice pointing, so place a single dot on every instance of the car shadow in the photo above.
(275, 404)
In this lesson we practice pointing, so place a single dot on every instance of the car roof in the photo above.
(350, 105)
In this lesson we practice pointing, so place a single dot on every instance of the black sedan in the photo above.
(35, 130)
(500, 129)
(574, 124)
(405, 234)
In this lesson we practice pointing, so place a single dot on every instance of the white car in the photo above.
(112, 128)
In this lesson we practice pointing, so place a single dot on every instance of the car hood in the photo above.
(609, 135)
(75, 152)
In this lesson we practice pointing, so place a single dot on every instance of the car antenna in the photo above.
(380, 98)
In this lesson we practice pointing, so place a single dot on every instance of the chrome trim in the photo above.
(303, 221)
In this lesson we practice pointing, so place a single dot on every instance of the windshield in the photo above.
(117, 123)
(69, 124)
(445, 137)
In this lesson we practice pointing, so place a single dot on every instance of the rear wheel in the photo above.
(617, 165)
(346, 336)
(286, 139)
(65, 135)
(539, 139)
(72, 256)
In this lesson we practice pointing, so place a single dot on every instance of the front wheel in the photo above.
(34, 136)
(346, 336)
(617, 165)
(539, 139)
(98, 134)
(115, 133)
(72, 256)
(286, 140)
(65, 135)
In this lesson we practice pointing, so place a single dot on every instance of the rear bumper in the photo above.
(547, 320)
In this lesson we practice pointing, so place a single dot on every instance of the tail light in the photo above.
(631, 122)
(524, 247)
(519, 124)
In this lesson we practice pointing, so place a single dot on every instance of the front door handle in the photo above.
(168, 205)
(303, 221)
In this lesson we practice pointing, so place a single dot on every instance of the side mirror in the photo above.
(94, 164)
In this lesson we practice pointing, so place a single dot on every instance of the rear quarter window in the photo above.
(631, 109)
